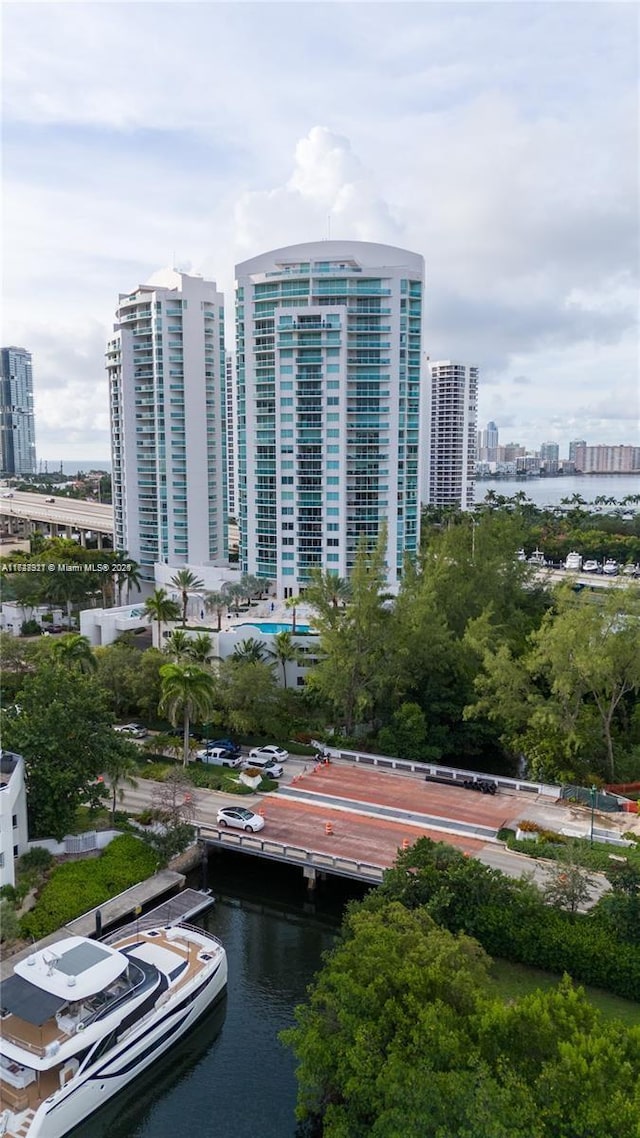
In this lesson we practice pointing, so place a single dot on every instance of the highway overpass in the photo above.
(21, 514)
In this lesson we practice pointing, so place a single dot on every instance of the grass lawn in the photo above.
(515, 980)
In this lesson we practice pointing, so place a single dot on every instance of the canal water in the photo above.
(232, 1077)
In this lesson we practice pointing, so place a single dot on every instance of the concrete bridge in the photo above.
(21, 514)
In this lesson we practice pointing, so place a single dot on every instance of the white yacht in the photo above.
(573, 562)
(82, 1018)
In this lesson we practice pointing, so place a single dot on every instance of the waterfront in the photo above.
(232, 1077)
(551, 491)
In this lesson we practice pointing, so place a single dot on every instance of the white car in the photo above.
(134, 729)
(241, 818)
(269, 752)
(268, 766)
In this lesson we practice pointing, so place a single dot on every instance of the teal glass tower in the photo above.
(329, 401)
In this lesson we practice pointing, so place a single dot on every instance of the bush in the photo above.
(36, 858)
(30, 628)
(78, 886)
(9, 924)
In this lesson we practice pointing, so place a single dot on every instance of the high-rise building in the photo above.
(488, 443)
(329, 338)
(17, 423)
(451, 434)
(232, 434)
(549, 452)
(607, 459)
(166, 368)
(573, 446)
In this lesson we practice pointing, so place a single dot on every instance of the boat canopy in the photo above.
(28, 1002)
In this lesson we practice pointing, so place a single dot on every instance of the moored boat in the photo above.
(81, 1018)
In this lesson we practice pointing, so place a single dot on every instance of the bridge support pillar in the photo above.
(311, 877)
(83, 538)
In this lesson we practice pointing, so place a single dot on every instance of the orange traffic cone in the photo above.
(261, 812)
(328, 827)
(405, 843)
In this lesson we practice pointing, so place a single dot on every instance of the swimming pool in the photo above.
(273, 626)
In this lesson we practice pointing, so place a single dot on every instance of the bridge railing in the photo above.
(455, 775)
(297, 855)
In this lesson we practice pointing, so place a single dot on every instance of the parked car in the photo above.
(49, 500)
(218, 757)
(226, 744)
(269, 767)
(134, 729)
(240, 817)
(269, 752)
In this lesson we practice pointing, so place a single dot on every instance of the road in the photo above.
(360, 831)
(93, 516)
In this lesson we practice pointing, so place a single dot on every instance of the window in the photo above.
(14, 821)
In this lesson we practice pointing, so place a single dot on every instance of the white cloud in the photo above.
(500, 141)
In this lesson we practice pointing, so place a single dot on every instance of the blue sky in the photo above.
(499, 140)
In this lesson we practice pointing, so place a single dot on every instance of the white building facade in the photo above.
(328, 338)
(166, 369)
(232, 434)
(451, 436)
(14, 837)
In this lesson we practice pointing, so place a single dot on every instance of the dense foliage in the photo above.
(402, 1036)
(78, 886)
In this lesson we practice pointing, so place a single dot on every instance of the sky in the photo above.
(499, 140)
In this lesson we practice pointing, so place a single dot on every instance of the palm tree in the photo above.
(217, 603)
(120, 767)
(161, 608)
(188, 692)
(200, 648)
(177, 644)
(75, 651)
(292, 603)
(234, 592)
(250, 651)
(283, 651)
(127, 573)
(186, 582)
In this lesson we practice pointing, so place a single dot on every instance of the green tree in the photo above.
(592, 652)
(200, 648)
(126, 573)
(406, 737)
(350, 673)
(121, 768)
(284, 651)
(249, 695)
(216, 602)
(75, 651)
(188, 693)
(568, 886)
(250, 651)
(186, 582)
(64, 735)
(162, 609)
(177, 645)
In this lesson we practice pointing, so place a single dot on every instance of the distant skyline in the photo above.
(500, 141)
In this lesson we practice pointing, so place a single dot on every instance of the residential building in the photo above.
(549, 458)
(14, 837)
(17, 423)
(329, 337)
(488, 443)
(166, 369)
(607, 459)
(451, 435)
(232, 434)
(573, 446)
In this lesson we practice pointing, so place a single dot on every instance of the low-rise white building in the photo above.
(14, 835)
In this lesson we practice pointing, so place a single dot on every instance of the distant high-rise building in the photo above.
(607, 459)
(488, 443)
(329, 338)
(451, 434)
(166, 369)
(573, 446)
(232, 434)
(549, 452)
(17, 423)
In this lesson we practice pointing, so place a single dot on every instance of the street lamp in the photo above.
(594, 791)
